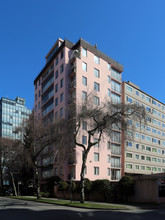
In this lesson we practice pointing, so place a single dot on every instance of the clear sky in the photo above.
(130, 31)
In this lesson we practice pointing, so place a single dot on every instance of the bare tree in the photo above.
(100, 121)
(37, 137)
(11, 159)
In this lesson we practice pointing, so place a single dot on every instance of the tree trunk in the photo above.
(1, 179)
(37, 183)
(13, 182)
(82, 180)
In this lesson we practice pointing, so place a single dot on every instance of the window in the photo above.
(84, 139)
(148, 148)
(61, 171)
(39, 105)
(154, 159)
(109, 66)
(148, 99)
(143, 96)
(142, 167)
(129, 144)
(137, 93)
(39, 93)
(108, 145)
(108, 158)
(115, 98)
(96, 156)
(148, 158)
(96, 59)
(84, 66)
(108, 171)
(148, 109)
(96, 170)
(56, 87)
(109, 79)
(137, 135)
(115, 136)
(84, 80)
(154, 150)
(61, 112)
(96, 86)
(129, 166)
(148, 138)
(97, 144)
(84, 52)
(143, 147)
(129, 89)
(56, 60)
(137, 167)
(115, 86)
(154, 112)
(56, 101)
(61, 68)
(36, 97)
(115, 74)
(148, 168)
(148, 128)
(142, 157)
(137, 156)
(96, 100)
(56, 115)
(137, 146)
(61, 82)
(154, 131)
(129, 99)
(109, 92)
(129, 155)
(153, 102)
(154, 140)
(35, 86)
(62, 54)
(143, 137)
(84, 95)
(154, 169)
(56, 74)
(61, 97)
(96, 73)
(84, 125)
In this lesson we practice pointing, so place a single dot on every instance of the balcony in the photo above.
(72, 100)
(73, 70)
(72, 86)
(75, 54)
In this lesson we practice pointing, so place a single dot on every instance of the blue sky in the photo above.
(130, 31)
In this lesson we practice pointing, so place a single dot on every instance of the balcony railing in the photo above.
(75, 54)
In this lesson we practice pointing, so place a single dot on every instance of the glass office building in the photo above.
(12, 114)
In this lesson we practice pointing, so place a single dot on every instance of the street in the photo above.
(12, 209)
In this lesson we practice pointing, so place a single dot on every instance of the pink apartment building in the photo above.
(73, 71)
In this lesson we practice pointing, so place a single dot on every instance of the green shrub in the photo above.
(87, 185)
(62, 186)
(73, 186)
(101, 186)
(126, 186)
(44, 194)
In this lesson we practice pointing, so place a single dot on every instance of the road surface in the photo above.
(12, 209)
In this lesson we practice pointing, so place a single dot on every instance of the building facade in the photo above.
(144, 152)
(12, 114)
(73, 71)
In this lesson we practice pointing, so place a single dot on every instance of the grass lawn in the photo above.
(73, 204)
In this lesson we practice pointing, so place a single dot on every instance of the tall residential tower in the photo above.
(71, 72)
